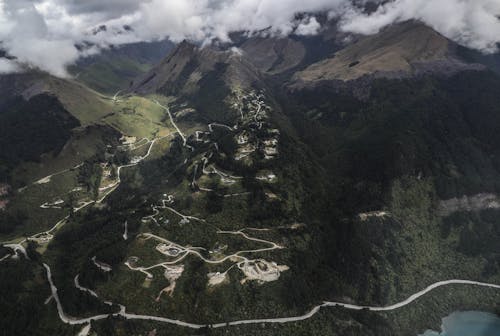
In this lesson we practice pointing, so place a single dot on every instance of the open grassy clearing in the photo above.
(139, 117)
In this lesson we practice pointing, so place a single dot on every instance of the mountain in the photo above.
(202, 77)
(188, 66)
(491, 60)
(283, 56)
(370, 171)
(274, 55)
(69, 122)
(114, 68)
(401, 50)
(42, 116)
(233, 183)
(397, 151)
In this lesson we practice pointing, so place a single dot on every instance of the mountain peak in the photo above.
(400, 50)
(182, 71)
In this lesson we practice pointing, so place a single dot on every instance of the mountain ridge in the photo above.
(402, 50)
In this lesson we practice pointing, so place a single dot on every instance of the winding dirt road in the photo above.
(185, 251)
(111, 188)
(183, 137)
(76, 321)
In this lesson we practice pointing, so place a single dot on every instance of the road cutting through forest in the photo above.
(280, 320)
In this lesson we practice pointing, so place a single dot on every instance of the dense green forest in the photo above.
(442, 128)
(410, 144)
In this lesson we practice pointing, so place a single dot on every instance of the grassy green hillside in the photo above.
(83, 103)
(49, 128)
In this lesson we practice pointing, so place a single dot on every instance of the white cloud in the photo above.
(236, 51)
(473, 23)
(25, 35)
(8, 66)
(43, 33)
(210, 19)
(308, 26)
(49, 55)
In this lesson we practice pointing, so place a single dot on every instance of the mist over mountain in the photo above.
(33, 31)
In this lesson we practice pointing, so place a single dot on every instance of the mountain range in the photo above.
(358, 169)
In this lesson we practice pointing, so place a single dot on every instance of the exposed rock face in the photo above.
(469, 203)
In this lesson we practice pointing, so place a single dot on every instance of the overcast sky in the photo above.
(43, 33)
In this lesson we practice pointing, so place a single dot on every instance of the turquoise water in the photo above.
(471, 323)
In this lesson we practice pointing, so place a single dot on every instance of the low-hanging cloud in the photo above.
(26, 36)
(44, 33)
(308, 26)
(473, 23)
(8, 66)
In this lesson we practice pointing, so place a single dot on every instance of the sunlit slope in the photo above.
(398, 51)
